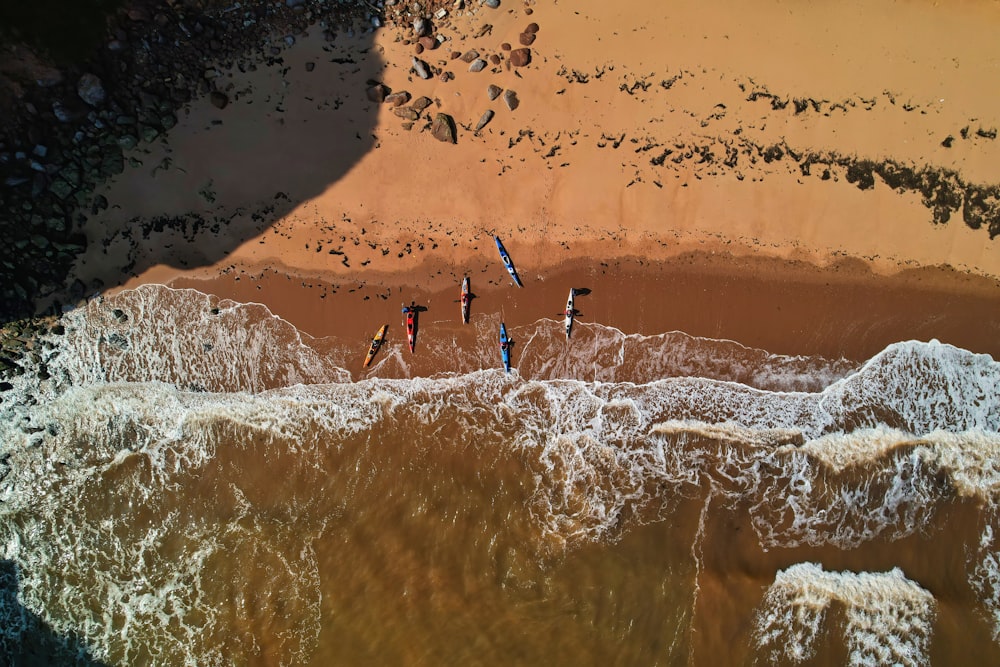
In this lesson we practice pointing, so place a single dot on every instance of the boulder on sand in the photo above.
(520, 57)
(443, 128)
(219, 99)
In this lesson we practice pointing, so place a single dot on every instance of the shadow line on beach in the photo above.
(252, 124)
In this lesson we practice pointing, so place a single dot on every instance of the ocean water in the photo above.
(198, 483)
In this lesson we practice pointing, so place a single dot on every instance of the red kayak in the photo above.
(411, 325)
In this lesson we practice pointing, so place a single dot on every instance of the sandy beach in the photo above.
(690, 178)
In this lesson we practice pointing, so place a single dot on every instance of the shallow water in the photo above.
(199, 483)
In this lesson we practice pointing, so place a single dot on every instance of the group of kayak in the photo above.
(466, 299)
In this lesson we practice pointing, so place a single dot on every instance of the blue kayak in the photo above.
(504, 347)
(506, 262)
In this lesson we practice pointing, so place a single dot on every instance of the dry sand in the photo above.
(636, 164)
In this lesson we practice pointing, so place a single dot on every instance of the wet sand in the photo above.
(639, 163)
(790, 308)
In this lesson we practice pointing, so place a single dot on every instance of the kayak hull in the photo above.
(504, 348)
(411, 327)
(507, 262)
(570, 312)
(375, 345)
(466, 298)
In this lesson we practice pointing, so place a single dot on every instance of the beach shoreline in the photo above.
(781, 307)
(699, 188)
(758, 251)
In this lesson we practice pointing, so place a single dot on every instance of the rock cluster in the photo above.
(425, 35)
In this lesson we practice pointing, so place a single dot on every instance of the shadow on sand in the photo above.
(25, 639)
(266, 117)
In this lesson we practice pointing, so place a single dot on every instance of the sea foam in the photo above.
(138, 410)
(888, 619)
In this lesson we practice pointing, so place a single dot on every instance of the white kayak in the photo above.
(570, 312)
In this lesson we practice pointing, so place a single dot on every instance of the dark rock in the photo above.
(408, 113)
(510, 99)
(428, 42)
(492, 4)
(469, 56)
(443, 128)
(982, 206)
(71, 173)
(494, 59)
(218, 99)
(493, 91)
(520, 57)
(61, 188)
(860, 174)
(91, 90)
(484, 120)
(774, 153)
(531, 28)
(377, 93)
(48, 77)
(57, 225)
(112, 163)
(526, 38)
(418, 49)
(63, 113)
(505, 46)
(398, 99)
(422, 103)
(310, 66)
(478, 65)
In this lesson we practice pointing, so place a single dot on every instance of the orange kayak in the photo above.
(376, 344)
